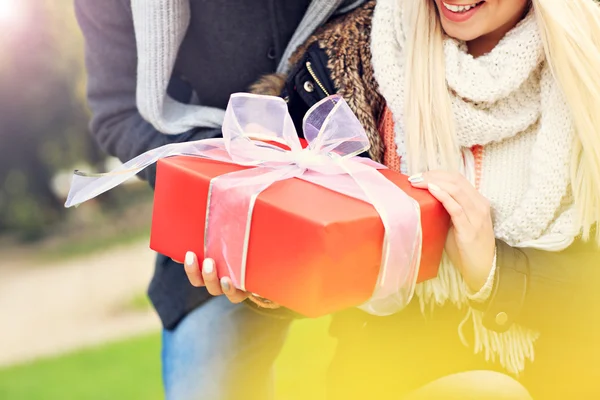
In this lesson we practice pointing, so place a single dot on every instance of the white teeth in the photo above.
(459, 9)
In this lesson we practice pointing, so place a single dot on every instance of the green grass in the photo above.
(124, 370)
(130, 370)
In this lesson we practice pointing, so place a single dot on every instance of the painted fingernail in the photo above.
(418, 178)
(190, 258)
(208, 266)
(434, 188)
(225, 284)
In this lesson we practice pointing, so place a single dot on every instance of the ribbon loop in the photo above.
(256, 117)
(331, 127)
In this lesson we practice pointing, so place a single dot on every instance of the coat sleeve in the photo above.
(540, 289)
(111, 62)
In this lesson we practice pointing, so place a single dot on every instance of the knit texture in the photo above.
(160, 27)
(391, 158)
(507, 105)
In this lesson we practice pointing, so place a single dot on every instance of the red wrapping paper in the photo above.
(312, 250)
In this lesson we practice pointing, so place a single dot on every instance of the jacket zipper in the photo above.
(314, 76)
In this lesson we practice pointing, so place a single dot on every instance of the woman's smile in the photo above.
(459, 12)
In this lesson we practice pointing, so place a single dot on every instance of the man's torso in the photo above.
(231, 43)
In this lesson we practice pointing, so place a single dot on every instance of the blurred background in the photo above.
(74, 316)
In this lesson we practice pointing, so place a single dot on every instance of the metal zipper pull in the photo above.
(314, 76)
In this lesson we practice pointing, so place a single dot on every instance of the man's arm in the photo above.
(111, 61)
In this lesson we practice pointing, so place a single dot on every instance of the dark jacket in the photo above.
(554, 293)
(229, 44)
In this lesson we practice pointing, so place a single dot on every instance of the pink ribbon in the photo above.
(335, 138)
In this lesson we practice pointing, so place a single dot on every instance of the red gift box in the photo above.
(312, 247)
(312, 250)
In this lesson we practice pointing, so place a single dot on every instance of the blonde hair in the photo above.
(571, 35)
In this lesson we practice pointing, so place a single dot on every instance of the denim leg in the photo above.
(222, 351)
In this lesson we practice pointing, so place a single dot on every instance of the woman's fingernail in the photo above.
(225, 284)
(418, 178)
(434, 188)
(208, 266)
(190, 258)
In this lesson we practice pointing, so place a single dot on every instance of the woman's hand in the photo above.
(208, 277)
(471, 243)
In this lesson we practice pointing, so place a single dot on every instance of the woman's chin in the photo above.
(462, 34)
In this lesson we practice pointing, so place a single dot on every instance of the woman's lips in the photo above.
(459, 16)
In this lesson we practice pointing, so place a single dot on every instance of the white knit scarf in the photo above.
(508, 102)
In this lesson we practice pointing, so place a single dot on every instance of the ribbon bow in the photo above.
(335, 138)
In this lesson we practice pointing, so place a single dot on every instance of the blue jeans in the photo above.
(222, 351)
